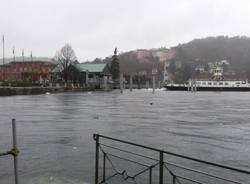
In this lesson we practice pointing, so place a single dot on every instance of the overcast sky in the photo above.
(95, 27)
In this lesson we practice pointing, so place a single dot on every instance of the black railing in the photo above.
(160, 167)
(14, 151)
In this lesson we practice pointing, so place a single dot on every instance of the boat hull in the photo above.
(185, 88)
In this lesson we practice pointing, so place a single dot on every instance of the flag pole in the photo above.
(14, 61)
(3, 61)
(23, 55)
(23, 65)
(3, 50)
(14, 57)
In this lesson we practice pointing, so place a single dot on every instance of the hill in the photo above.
(236, 50)
(189, 59)
(141, 61)
(201, 55)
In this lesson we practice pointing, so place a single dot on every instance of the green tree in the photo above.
(115, 66)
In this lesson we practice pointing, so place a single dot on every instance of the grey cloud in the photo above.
(95, 27)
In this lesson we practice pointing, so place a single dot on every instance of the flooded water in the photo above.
(55, 131)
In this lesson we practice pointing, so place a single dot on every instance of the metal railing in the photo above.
(14, 151)
(162, 165)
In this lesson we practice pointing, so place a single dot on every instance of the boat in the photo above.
(217, 82)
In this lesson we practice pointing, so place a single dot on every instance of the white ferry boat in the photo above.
(217, 82)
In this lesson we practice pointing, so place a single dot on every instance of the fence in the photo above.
(14, 151)
(161, 170)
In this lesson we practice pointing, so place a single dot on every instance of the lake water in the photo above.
(55, 131)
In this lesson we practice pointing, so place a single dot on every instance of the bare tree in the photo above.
(65, 57)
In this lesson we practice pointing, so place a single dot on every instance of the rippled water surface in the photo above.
(55, 131)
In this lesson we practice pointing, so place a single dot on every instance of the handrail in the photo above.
(170, 163)
(200, 172)
(176, 178)
(175, 154)
(130, 152)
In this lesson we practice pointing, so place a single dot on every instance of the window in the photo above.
(226, 83)
(215, 83)
(237, 83)
(221, 83)
(209, 83)
(203, 83)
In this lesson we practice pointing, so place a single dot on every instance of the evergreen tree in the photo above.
(115, 66)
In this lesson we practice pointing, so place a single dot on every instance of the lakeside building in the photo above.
(84, 74)
(32, 71)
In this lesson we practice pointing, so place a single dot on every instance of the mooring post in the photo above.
(161, 168)
(147, 84)
(105, 83)
(130, 83)
(87, 78)
(15, 151)
(121, 82)
(96, 137)
(153, 84)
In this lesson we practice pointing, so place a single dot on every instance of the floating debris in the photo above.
(51, 178)
(96, 117)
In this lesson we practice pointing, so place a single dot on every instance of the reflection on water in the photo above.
(55, 131)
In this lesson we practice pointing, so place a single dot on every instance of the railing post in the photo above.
(15, 151)
(104, 167)
(96, 137)
(174, 179)
(150, 175)
(161, 167)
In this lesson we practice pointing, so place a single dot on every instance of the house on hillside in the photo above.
(200, 69)
(84, 74)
